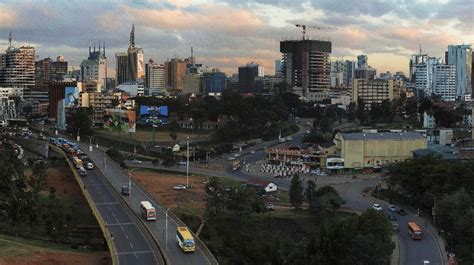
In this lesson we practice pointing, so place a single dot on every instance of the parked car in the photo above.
(182, 163)
(252, 152)
(377, 207)
(136, 161)
(395, 227)
(270, 207)
(392, 208)
(392, 217)
(231, 158)
(401, 211)
(289, 138)
(179, 187)
(125, 190)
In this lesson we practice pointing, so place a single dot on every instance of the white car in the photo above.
(89, 165)
(82, 171)
(252, 152)
(179, 187)
(289, 138)
(136, 161)
(377, 207)
(182, 163)
(236, 155)
(230, 158)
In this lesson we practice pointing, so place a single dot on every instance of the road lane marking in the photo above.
(107, 203)
(120, 224)
(131, 245)
(126, 235)
(122, 228)
(134, 252)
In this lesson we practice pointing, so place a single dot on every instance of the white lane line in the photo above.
(122, 228)
(134, 252)
(131, 245)
(126, 236)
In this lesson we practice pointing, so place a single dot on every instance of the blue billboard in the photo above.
(153, 115)
(71, 97)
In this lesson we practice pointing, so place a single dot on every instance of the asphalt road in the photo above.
(412, 252)
(157, 228)
(132, 247)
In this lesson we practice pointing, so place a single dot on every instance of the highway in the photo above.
(167, 241)
(131, 245)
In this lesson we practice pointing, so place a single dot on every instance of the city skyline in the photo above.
(229, 34)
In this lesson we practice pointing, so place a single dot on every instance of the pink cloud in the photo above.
(8, 16)
(210, 17)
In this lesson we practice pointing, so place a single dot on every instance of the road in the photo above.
(132, 246)
(411, 252)
(167, 241)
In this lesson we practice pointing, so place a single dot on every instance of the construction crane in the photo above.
(303, 28)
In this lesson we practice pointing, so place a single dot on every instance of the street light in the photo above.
(187, 162)
(166, 228)
(97, 143)
(90, 143)
(78, 135)
(130, 181)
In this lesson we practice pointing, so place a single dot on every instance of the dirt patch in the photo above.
(42, 256)
(62, 179)
(160, 185)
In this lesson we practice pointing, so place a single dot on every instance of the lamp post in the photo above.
(166, 228)
(130, 181)
(90, 143)
(78, 135)
(187, 162)
(97, 143)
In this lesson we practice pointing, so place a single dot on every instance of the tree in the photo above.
(296, 192)
(315, 138)
(327, 198)
(361, 112)
(310, 193)
(173, 127)
(81, 120)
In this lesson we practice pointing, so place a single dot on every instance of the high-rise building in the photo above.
(364, 70)
(415, 60)
(349, 72)
(277, 67)
(461, 57)
(94, 69)
(376, 91)
(49, 70)
(424, 75)
(175, 69)
(444, 81)
(17, 66)
(192, 83)
(306, 67)
(337, 73)
(247, 77)
(155, 78)
(214, 82)
(130, 65)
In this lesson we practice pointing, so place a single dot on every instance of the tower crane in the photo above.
(303, 28)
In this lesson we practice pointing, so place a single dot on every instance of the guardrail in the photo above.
(94, 209)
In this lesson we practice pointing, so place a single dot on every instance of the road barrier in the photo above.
(95, 211)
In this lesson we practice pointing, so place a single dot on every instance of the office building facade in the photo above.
(94, 69)
(175, 70)
(155, 78)
(461, 57)
(214, 82)
(49, 70)
(130, 66)
(376, 91)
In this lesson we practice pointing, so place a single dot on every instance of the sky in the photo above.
(229, 33)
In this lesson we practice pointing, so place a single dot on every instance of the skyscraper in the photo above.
(175, 69)
(349, 72)
(214, 82)
(461, 57)
(247, 77)
(155, 78)
(131, 65)
(444, 81)
(49, 70)
(337, 73)
(306, 67)
(277, 67)
(94, 69)
(17, 66)
(364, 70)
(424, 75)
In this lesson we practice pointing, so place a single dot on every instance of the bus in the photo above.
(148, 211)
(78, 162)
(235, 165)
(414, 231)
(185, 239)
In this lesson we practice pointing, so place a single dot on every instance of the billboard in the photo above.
(71, 97)
(122, 120)
(153, 115)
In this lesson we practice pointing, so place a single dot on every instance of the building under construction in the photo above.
(306, 67)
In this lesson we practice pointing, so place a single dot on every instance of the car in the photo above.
(179, 187)
(231, 158)
(182, 163)
(308, 131)
(89, 165)
(136, 161)
(392, 208)
(252, 152)
(289, 138)
(402, 212)
(236, 155)
(270, 207)
(395, 227)
(377, 207)
(125, 190)
(282, 140)
(392, 217)
(82, 171)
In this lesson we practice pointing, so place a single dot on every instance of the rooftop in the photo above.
(383, 136)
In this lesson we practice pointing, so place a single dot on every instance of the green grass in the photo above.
(282, 196)
(17, 246)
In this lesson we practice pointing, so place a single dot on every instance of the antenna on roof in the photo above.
(10, 39)
(420, 48)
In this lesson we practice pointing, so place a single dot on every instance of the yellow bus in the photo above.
(414, 231)
(185, 239)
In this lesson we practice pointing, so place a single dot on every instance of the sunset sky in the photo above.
(227, 34)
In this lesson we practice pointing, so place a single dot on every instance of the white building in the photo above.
(461, 57)
(95, 68)
(155, 78)
(337, 73)
(444, 81)
(424, 75)
(428, 120)
(132, 88)
(6, 92)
